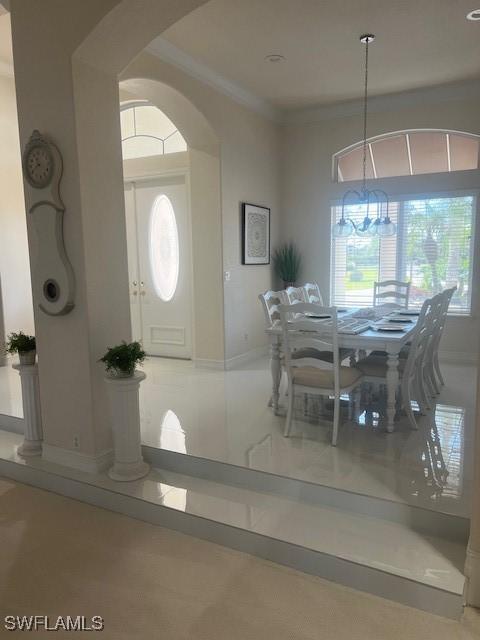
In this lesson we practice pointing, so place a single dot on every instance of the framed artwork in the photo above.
(255, 234)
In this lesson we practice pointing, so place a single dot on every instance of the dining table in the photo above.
(369, 339)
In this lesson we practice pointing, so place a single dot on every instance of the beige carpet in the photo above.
(59, 557)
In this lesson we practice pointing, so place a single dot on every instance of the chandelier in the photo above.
(381, 225)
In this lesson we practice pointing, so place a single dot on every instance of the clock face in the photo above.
(39, 166)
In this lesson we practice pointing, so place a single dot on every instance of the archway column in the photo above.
(67, 57)
(72, 393)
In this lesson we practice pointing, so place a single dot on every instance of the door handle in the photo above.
(134, 283)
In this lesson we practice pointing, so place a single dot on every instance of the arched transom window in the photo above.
(146, 131)
(408, 153)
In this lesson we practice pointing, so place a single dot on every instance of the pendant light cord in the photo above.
(365, 103)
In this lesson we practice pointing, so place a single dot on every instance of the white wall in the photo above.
(14, 261)
(249, 156)
(307, 188)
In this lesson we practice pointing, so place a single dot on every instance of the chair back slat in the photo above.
(270, 301)
(313, 293)
(396, 290)
(295, 295)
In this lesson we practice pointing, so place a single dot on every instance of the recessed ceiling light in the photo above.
(474, 15)
(275, 57)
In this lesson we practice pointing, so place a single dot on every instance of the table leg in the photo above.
(392, 386)
(276, 369)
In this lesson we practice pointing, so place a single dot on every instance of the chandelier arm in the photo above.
(385, 198)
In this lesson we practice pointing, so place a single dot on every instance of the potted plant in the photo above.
(24, 345)
(287, 263)
(120, 361)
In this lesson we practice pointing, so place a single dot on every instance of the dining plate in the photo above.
(408, 312)
(317, 316)
(400, 319)
(388, 327)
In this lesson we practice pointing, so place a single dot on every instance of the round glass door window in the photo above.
(164, 251)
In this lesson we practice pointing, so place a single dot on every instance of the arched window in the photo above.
(146, 131)
(409, 153)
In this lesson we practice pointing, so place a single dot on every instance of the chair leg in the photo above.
(336, 419)
(288, 423)
(436, 365)
(407, 404)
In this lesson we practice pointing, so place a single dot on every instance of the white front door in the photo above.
(159, 251)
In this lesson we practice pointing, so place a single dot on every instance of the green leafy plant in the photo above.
(20, 343)
(123, 358)
(287, 262)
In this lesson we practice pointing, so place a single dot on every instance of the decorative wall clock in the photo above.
(52, 275)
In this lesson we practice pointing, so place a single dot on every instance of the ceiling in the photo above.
(419, 43)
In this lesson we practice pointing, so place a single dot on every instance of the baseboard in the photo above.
(242, 358)
(458, 357)
(76, 460)
(14, 424)
(472, 575)
(205, 363)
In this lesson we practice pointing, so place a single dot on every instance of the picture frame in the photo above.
(255, 234)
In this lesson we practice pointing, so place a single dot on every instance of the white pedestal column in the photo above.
(32, 417)
(125, 413)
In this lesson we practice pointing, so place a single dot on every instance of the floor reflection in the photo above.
(224, 416)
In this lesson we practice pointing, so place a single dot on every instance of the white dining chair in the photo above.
(312, 293)
(311, 375)
(391, 293)
(434, 371)
(295, 295)
(410, 369)
(270, 301)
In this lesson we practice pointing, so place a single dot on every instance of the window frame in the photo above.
(403, 197)
(137, 104)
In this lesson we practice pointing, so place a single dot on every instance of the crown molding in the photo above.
(388, 102)
(168, 52)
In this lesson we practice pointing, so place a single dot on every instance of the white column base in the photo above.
(472, 582)
(125, 472)
(124, 407)
(32, 419)
(30, 448)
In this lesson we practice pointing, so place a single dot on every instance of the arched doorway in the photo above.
(185, 159)
(157, 208)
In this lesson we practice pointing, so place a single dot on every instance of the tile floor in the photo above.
(223, 415)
